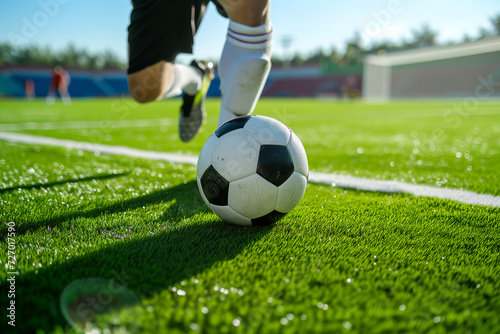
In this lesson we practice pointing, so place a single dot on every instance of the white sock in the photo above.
(185, 78)
(243, 68)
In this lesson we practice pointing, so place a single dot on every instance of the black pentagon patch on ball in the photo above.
(275, 164)
(268, 219)
(215, 187)
(234, 124)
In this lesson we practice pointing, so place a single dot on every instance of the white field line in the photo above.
(91, 147)
(342, 181)
(360, 183)
(125, 123)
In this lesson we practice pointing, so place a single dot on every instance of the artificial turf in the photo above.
(439, 143)
(342, 261)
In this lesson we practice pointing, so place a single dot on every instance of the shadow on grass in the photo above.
(187, 203)
(56, 183)
(144, 265)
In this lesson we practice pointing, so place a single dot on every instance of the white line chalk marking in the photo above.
(91, 147)
(360, 183)
(107, 124)
(342, 181)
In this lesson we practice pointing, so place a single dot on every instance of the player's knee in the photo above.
(252, 13)
(141, 93)
(139, 96)
(151, 83)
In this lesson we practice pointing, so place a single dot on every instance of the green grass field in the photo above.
(342, 261)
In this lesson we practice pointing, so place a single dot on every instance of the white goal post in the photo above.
(451, 71)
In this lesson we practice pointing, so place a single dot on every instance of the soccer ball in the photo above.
(252, 171)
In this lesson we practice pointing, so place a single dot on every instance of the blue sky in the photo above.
(98, 25)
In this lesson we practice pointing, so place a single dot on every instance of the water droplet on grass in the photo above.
(347, 325)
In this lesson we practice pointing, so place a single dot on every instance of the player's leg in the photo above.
(162, 80)
(150, 83)
(158, 31)
(63, 92)
(251, 13)
(246, 59)
(51, 96)
(156, 35)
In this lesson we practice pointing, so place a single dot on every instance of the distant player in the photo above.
(349, 89)
(29, 89)
(161, 29)
(59, 83)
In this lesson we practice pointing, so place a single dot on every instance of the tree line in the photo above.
(352, 55)
(354, 51)
(71, 56)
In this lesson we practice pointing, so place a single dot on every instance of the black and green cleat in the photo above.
(193, 108)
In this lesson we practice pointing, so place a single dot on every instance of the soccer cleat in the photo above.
(193, 107)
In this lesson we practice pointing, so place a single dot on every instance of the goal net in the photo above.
(452, 71)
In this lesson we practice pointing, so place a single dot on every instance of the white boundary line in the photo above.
(124, 123)
(343, 181)
(107, 149)
(360, 183)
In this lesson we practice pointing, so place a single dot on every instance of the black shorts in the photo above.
(161, 29)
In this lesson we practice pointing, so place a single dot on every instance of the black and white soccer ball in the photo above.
(252, 171)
